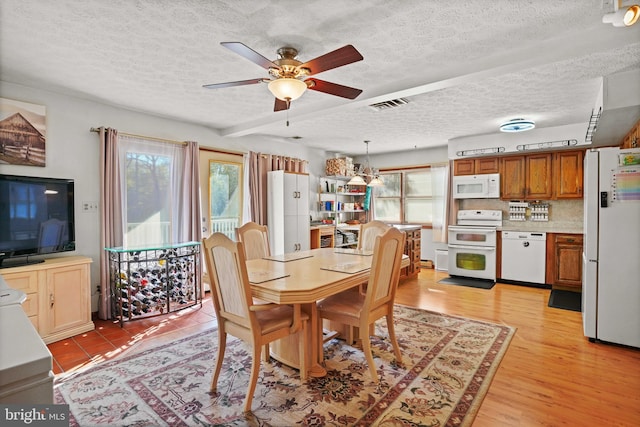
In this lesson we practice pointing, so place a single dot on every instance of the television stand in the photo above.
(58, 292)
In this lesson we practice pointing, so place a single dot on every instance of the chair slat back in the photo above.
(385, 269)
(226, 266)
(255, 239)
(368, 233)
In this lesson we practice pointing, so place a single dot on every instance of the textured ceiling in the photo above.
(464, 71)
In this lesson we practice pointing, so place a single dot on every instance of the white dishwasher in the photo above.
(524, 256)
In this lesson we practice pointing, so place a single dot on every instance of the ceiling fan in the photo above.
(289, 77)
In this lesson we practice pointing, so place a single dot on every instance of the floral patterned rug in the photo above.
(448, 364)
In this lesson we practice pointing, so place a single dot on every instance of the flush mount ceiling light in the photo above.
(517, 125)
(622, 15)
(366, 172)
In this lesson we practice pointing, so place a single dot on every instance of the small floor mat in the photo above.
(467, 281)
(566, 300)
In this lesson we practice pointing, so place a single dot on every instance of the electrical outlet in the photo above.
(89, 206)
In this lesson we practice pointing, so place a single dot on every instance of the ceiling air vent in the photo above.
(394, 103)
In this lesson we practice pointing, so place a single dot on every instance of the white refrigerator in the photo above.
(611, 254)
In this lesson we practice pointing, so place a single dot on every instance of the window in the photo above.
(405, 198)
(151, 178)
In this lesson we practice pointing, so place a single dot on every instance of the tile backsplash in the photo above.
(564, 215)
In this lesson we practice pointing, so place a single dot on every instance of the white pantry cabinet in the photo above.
(288, 211)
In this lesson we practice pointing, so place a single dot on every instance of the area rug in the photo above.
(565, 300)
(448, 365)
(467, 281)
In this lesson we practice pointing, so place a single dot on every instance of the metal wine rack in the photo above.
(152, 281)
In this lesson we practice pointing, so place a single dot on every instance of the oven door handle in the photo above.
(473, 248)
(472, 230)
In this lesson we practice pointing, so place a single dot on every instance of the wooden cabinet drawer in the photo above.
(30, 305)
(26, 281)
(569, 238)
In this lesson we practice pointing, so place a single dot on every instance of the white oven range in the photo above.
(472, 244)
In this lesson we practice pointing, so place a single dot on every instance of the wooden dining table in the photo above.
(305, 277)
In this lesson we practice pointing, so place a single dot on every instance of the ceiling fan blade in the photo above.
(333, 88)
(250, 54)
(281, 105)
(231, 84)
(339, 57)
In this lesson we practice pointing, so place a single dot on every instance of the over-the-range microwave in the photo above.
(485, 186)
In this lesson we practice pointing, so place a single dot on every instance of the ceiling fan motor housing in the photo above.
(288, 65)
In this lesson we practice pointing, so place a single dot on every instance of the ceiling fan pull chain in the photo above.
(288, 100)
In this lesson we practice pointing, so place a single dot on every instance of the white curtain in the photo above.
(150, 230)
(440, 192)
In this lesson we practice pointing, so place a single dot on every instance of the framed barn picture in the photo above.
(22, 133)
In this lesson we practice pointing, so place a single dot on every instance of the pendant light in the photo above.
(366, 172)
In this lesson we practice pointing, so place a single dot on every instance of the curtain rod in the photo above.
(170, 141)
(205, 148)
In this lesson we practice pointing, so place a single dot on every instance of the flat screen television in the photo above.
(36, 218)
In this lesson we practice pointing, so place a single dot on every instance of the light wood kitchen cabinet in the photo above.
(476, 166)
(322, 237)
(567, 174)
(526, 177)
(58, 295)
(564, 261)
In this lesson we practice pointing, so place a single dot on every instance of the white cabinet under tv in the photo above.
(58, 295)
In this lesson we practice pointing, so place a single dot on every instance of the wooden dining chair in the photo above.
(258, 325)
(353, 308)
(368, 233)
(255, 239)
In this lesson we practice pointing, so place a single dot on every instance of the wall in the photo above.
(73, 151)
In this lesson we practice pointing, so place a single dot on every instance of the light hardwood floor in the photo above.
(551, 374)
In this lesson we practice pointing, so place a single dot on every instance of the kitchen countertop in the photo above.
(542, 227)
(317, 226)
(405, 227)
(402, 227)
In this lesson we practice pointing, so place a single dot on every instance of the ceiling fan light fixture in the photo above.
(517, 125)
(623, 17)
(287, 89)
